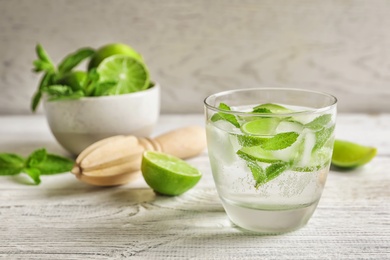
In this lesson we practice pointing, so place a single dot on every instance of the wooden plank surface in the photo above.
(65, 219)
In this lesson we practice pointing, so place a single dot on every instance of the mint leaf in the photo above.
(319, 122)
(57, 90)
(244, 153)
(55, 164)
(11, 164)
(322, 137)
(36, 157)
(104, 88)
(250, 140)
(40, 65)
(38, 163)
(275, 169)
(92, 82)
(70, 96)
(223, 116)
(46, 80)
(280, 141)
(42, 54)
(262, 110)
(260, 175)
(34, 174)
(74, 59)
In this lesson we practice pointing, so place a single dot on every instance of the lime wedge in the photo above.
(351, 155)
(129, 74)
(167, 174)
(260, 126)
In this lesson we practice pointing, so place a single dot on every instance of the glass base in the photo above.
(269, 221)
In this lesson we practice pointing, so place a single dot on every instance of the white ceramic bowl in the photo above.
(78, 123)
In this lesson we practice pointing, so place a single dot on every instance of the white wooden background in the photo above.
(65, 219)
(195, 48)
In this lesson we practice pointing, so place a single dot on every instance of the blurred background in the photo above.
(196, 48)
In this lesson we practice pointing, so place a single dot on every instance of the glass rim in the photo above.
(311, 111)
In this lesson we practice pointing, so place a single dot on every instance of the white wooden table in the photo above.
(65, 219)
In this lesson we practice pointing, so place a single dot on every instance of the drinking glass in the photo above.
(270, 151)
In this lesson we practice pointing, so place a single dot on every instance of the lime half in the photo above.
(167, 174)
(129, 74)
(351, 155)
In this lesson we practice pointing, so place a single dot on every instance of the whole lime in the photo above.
(110, 50)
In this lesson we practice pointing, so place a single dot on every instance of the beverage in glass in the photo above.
(270, 152)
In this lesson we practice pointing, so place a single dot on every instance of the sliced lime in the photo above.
(261, 126)
(351, 155)
(110, 50)
(167, 174)
(129, 74)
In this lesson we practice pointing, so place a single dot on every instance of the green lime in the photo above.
(74, 79)
(167, 174)
(274, 108)
(351, 155)
(110, 50)
(261, 126)
(128, 73)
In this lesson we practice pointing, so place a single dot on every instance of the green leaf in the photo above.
(275, 169)
(71, 96)
(44, 57)
(250, 140)
(57, 90)
(280, 141)
(36, 157)
(260, 175)
(322, 137)
(46, 80)
(223, 116)
(243, 153)
(104, 88)
(35, 100)
(34, 174)
(261, 110)
(40, 65)
(92, 82)
(74, 59)
(319, 122)
(11, 164)
(55, 164)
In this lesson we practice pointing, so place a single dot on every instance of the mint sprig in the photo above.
(36, 164)
(52, 75)
(263, 175)
(224, 116)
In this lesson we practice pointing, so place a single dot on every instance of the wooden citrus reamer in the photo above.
(116, 160)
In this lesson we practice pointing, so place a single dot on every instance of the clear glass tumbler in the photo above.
(270, 151)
